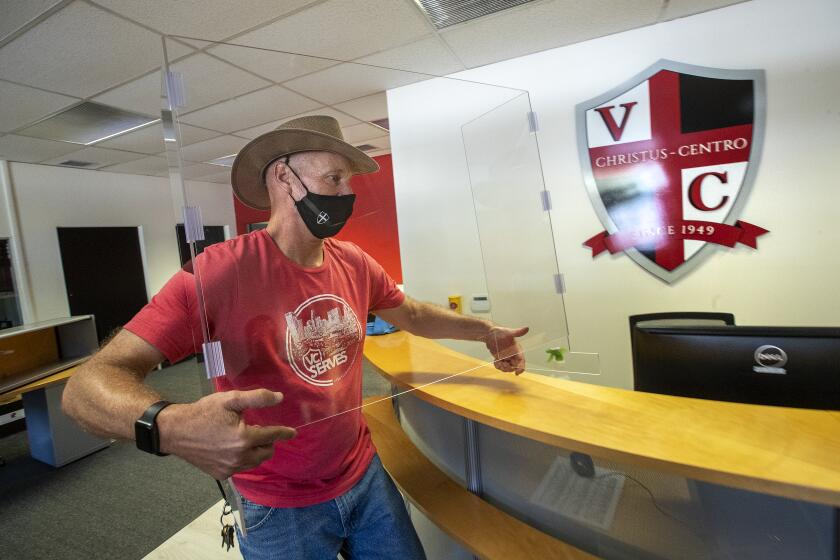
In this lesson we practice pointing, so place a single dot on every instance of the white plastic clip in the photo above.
(214, 363)
(533, 124)
(175, 91)
(559, 283)
(193, 226)
(546, 200)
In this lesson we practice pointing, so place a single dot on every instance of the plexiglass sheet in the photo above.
(264, 307)
(512, 209)
(279, 309)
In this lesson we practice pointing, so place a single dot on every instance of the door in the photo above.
(103, 274)
(212, 234)
(10, 315)
(257, 226)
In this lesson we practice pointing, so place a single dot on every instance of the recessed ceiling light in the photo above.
(367, 147)
(87, 123)
(445, 13)
(224, 161)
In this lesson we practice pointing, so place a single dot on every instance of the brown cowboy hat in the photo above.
(312, 133)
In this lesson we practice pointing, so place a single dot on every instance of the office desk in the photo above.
(680, 449)
(35, 362)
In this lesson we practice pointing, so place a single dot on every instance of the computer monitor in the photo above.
(784, 366)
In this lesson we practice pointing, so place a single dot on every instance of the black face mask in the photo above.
(324, 215)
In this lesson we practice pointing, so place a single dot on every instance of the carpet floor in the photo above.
(117, 503)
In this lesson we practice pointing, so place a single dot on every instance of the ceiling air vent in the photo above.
(367, 147)
(76, 163)
(445, 13)
(87, 123)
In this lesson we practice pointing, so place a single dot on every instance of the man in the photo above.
(285, 303)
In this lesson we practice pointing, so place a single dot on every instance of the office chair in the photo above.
(672, 319)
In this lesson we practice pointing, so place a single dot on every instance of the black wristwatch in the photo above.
(146, 430)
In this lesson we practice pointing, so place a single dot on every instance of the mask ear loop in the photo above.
(305, 200)
(285, 160)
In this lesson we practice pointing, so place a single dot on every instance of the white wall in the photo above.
(791, 280)
(49, 197)
(5, 204)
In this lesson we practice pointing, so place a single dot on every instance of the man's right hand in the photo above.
(211, 434)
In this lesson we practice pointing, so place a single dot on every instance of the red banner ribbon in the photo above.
(711, 232)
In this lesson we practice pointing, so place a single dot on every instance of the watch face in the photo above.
(145, 429)
(144, 435)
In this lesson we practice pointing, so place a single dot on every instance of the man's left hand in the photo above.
(507, 353)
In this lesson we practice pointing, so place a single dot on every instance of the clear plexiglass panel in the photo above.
(265, 320)
(517, 240)
(264, 312)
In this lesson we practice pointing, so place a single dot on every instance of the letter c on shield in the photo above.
(695, 196)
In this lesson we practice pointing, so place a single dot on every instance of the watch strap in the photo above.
(146, 430)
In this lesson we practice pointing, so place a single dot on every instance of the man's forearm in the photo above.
(432, 321)
(107, 394)
(106, 399)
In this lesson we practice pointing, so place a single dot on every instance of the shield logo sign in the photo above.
(669, 159)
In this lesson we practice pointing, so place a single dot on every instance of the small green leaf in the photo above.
(556, 354)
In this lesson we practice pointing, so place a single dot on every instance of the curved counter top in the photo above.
(773, 450)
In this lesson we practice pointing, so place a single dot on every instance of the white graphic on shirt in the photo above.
(322, 339)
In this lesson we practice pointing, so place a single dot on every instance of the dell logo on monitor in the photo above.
(770, 359)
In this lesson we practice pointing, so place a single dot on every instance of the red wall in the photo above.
(373, 226)
(246, 215)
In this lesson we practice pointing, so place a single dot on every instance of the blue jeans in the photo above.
(369, 521)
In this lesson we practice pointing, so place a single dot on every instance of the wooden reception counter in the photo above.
(669, 476)
(787, 452)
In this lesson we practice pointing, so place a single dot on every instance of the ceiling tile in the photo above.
(343, 29)
(206, 81)
(149, 140)
(99, 156)
(205, 19)
(154, 165)
(250, 110)
(375, 153)
(276, 66)
(80, 51)
(383, 142)
(212, 149)
(222, 178)
(429, 56)
(544, 25)
(343, 120)
(349, 81)
(17, 13)
(202, 170)
(142, 95)
(679, 8)
(193, 134)
(368, 108)
(24, 105)
(32, 150)
(356, 134)
(86, 123)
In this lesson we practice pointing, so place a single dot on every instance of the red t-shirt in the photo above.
(291, 329)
